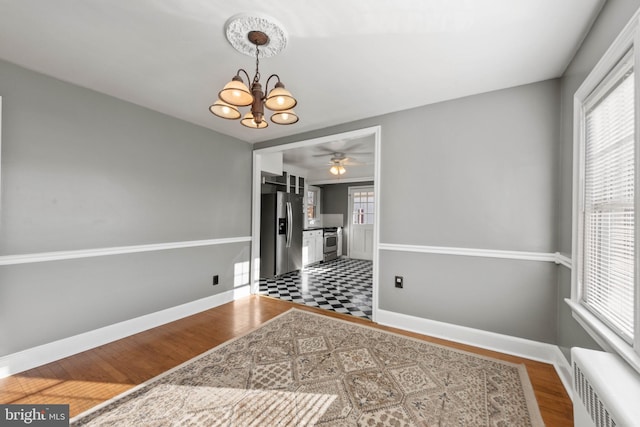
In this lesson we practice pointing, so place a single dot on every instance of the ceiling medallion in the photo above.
(237, 27)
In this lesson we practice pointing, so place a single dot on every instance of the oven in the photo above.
(330, 243)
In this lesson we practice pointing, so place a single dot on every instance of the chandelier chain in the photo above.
(256, 78)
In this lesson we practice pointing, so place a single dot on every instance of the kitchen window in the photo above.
(363, 207)
(605, 293)
(313, 205)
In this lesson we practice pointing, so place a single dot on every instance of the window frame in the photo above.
(317, 193)
(629, 39)
(370, 203)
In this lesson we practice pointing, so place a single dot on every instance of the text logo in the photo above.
(34, 415)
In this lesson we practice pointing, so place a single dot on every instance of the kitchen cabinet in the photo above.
(286, 182)
(312, 247)
(319, 250)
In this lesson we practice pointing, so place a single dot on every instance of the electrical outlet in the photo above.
(215, 280)
(399, 281)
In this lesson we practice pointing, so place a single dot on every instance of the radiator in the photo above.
(606, 390)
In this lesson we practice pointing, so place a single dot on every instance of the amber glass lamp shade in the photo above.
(236, 93)
(249, 122)
(224, 110)
(280, 99)
(286, 117)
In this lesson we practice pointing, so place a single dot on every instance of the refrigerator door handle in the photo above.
(289, 224)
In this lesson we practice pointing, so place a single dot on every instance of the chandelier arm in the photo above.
(266, 86)
(246, 74)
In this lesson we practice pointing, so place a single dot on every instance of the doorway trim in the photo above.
(376, 132)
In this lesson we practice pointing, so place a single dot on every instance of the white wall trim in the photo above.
(1, 154)
(341, 180)
(529, 349)
(47, 353)
(486, 253)
(603, 335)
(563, 368)
(118, 250)
(564, 260)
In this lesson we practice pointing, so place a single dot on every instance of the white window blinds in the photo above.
(608, 208)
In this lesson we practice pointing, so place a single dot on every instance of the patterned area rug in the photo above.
(303, 369)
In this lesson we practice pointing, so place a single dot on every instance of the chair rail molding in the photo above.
(555, 257)
(117, 250)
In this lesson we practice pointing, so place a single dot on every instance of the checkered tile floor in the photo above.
(343, 285)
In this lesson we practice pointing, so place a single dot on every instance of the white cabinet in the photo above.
(306, 249)
(319, 242)
(312, 247)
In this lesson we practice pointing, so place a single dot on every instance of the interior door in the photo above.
(361, 218)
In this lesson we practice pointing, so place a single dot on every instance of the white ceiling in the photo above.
(315, 160)
(344, 60)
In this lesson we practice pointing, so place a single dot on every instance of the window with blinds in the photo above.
(608, 246)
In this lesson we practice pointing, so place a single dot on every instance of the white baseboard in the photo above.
(47, 353)
(564, 371)
(21, 361)
(529, 349)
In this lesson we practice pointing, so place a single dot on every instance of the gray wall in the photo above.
(492, 171)
(335, 200)
(81, 170)
(612, 19)
(477, 172)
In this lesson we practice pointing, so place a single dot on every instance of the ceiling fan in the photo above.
(338, 161)
(343, 158)
(340, 158)
(336, 166)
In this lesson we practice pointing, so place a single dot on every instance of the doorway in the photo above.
(373, 134)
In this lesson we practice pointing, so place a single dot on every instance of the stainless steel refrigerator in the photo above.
(281, 219)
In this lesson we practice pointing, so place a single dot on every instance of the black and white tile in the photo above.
(343, 285)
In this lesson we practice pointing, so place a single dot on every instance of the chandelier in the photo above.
(237, 94)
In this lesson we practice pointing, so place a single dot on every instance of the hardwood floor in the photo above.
(89, 378)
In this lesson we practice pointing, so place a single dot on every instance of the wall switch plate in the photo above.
(215, 280)
(399, 281)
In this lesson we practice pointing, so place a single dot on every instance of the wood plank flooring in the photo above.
(94, 376)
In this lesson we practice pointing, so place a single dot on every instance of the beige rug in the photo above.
(303, 369)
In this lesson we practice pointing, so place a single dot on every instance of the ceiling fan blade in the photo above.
(326, 150)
